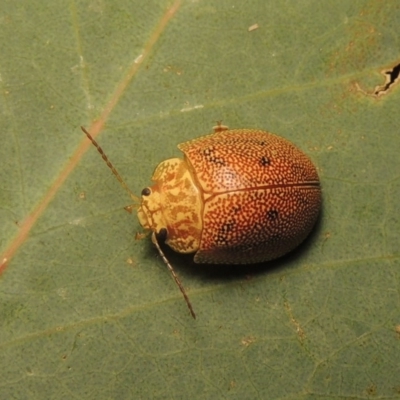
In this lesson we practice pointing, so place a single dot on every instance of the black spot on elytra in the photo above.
(227, 227)
(275, 238)
(265, 161)
(209, 155)
(222, 238)
(272, 215)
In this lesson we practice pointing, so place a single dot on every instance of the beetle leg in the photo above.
(219, 127)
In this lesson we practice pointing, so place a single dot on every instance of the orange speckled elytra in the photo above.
(238, 196)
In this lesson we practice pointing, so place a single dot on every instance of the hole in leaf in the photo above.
(392, 77)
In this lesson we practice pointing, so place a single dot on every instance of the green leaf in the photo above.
(87, 311)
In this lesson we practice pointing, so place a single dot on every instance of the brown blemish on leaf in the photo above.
(353, 56)
(253, 27)
(130, 261)
(326, 237)
(174, 69)
(299, 329)
(364, 37)
(248, 340)
(360, 46)
(177, 333)
(371, 390)
(397, 329)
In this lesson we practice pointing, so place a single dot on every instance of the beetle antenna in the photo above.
(177, 281)
(109, 164)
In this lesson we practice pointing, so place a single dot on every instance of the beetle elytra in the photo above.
(237, 196)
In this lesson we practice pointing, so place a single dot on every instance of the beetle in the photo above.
(238, 196)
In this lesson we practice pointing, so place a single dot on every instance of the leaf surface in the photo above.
(89, 312)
